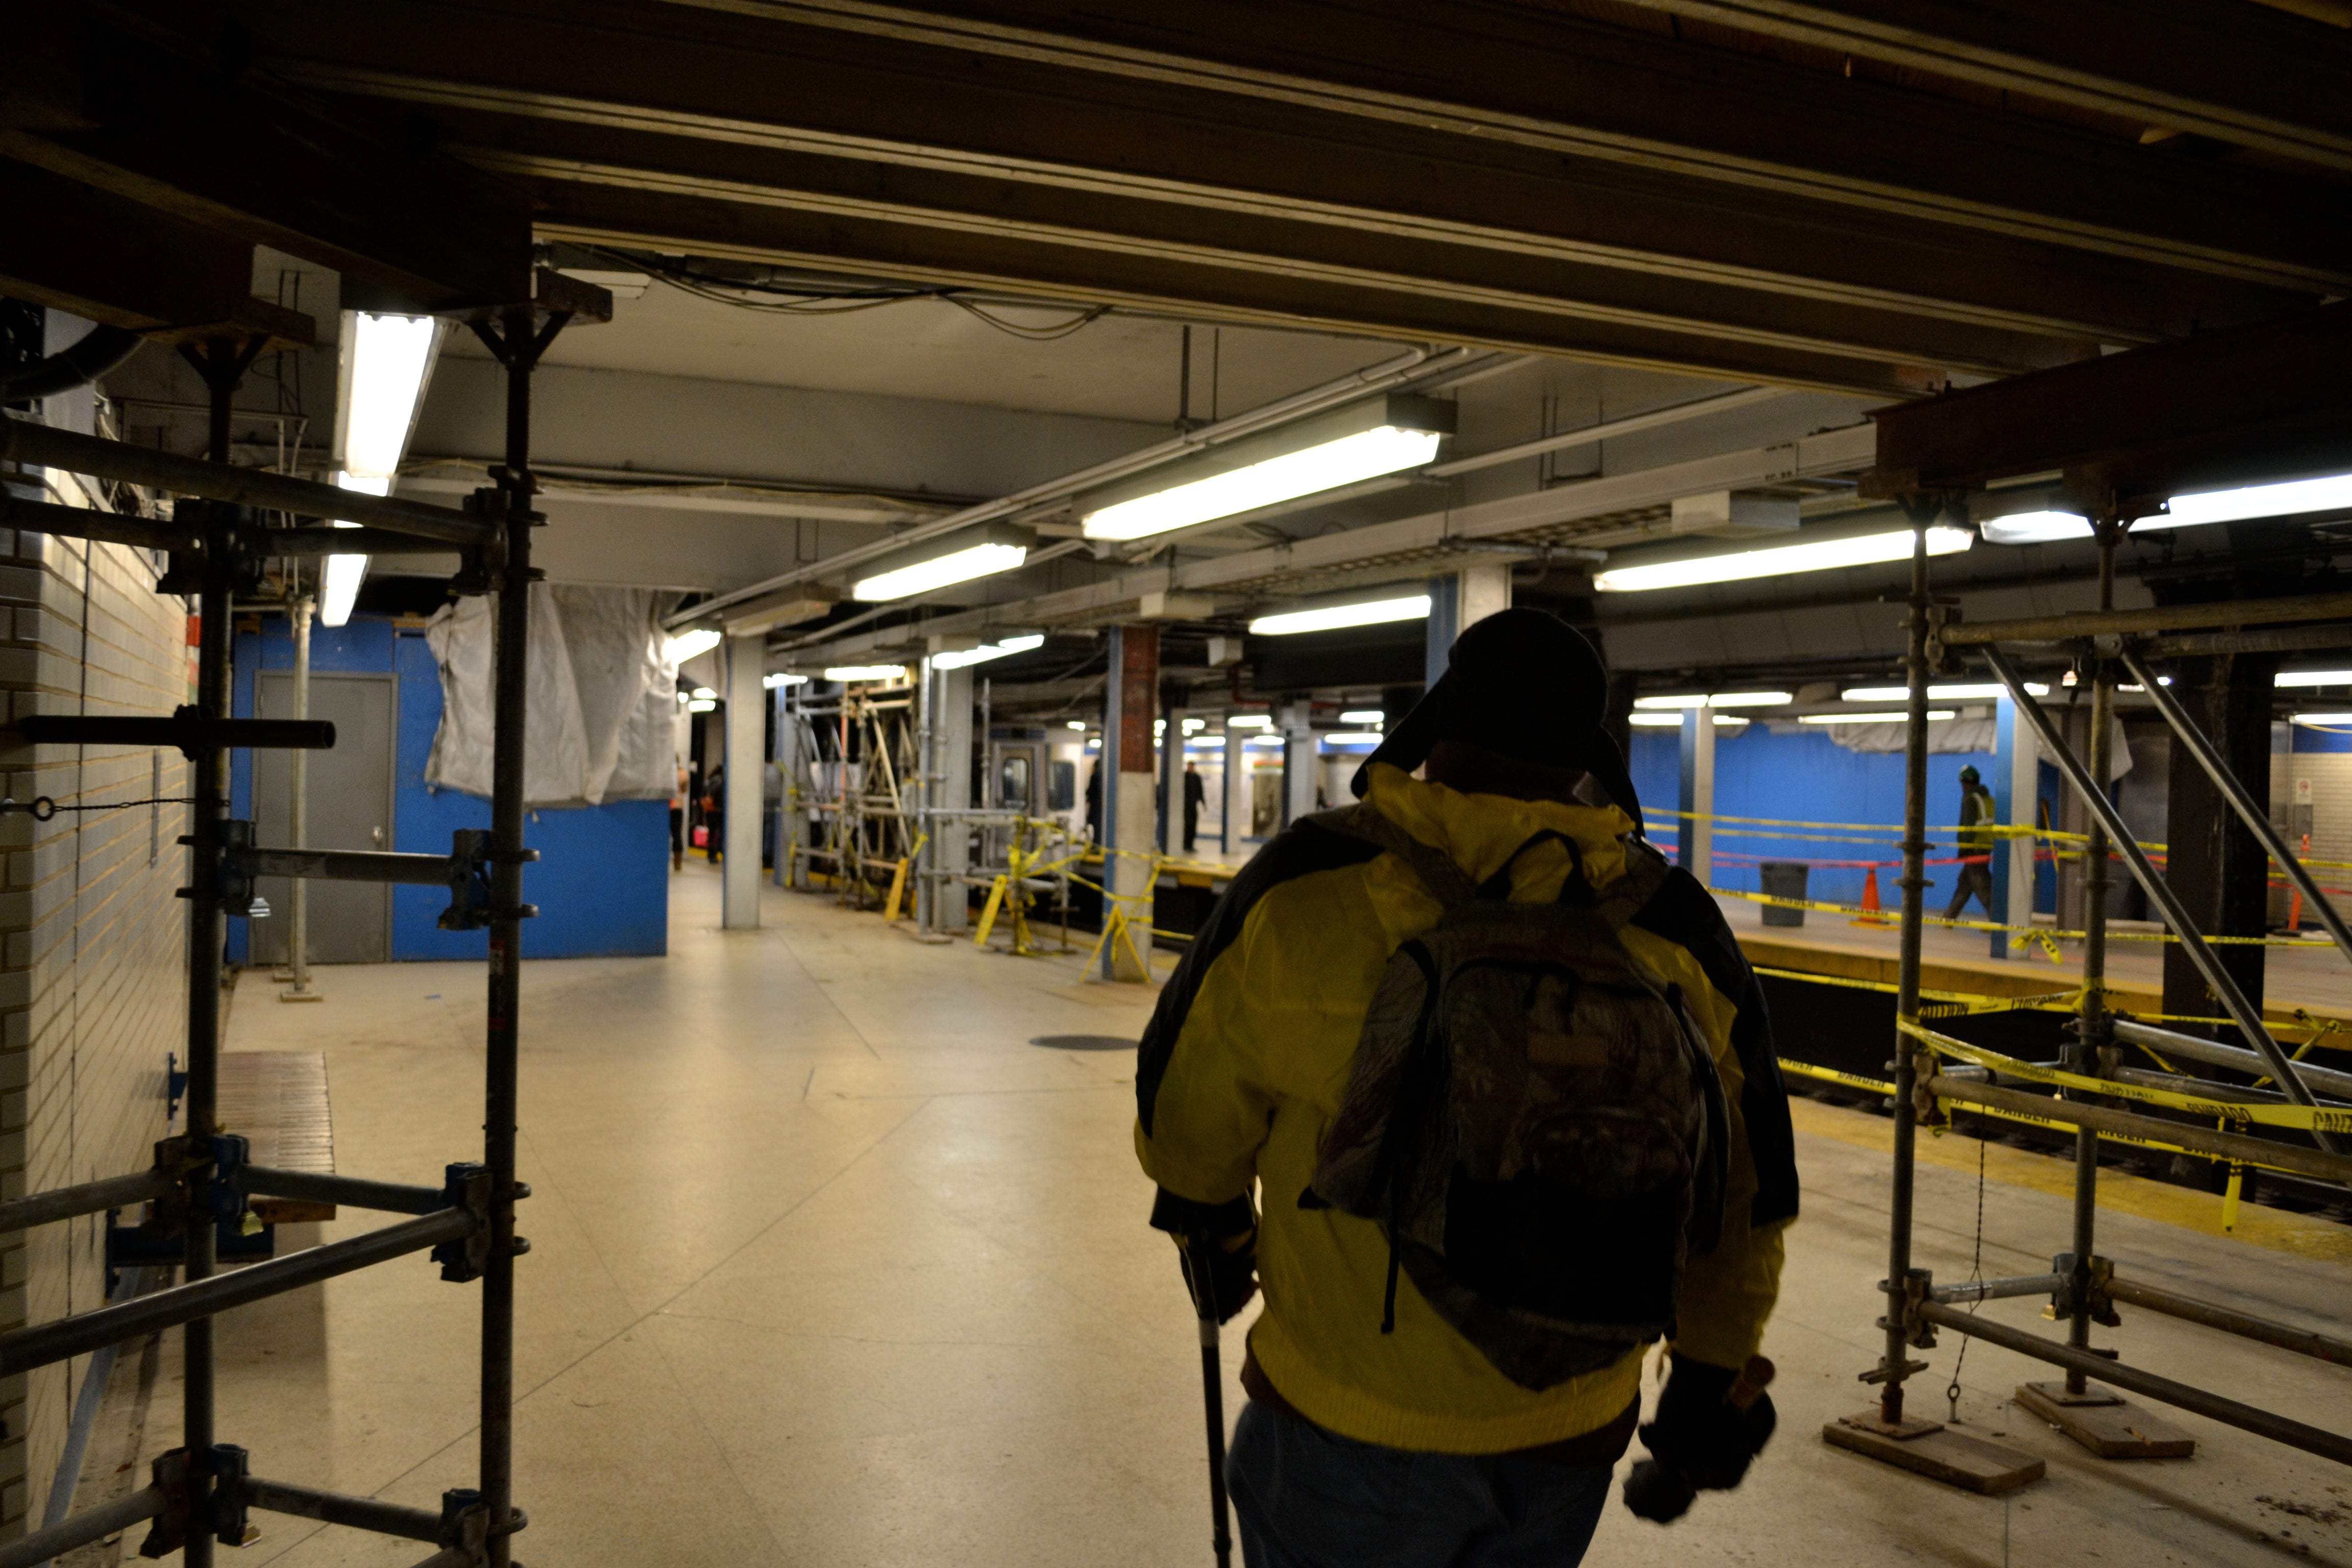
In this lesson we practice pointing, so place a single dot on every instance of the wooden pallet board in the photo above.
(276, 1102)
(1939, 1454)
(2108, 1425)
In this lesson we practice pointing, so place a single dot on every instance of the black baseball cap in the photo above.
(1527, 684)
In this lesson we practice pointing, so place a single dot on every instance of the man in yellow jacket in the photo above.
(1403, 1444)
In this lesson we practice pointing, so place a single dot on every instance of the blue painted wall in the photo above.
(1803, 777)
(601, 879)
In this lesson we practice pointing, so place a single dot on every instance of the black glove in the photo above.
(1225, 1234)
(1700, 1436)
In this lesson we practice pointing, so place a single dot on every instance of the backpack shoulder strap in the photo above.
(1445, 880)
(1646, 870)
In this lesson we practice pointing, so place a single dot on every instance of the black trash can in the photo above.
(1783, 880)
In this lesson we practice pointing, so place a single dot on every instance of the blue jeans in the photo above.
(1310, 1498)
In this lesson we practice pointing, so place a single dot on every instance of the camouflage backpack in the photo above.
(1532, 1117)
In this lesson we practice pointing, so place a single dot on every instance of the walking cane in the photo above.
(1213, 1389)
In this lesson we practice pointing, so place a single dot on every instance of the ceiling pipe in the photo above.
(100, 350)
(1608, 429)
(1356, 384)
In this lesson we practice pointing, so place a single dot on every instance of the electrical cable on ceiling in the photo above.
(800, 300)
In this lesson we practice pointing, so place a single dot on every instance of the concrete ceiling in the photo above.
(1117, 366)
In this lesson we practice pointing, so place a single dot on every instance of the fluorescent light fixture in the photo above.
(1194, 726)
(339, 576)
(1077, 724)
(1935, 716)
(1982, 692)
(703, 694)
(2324, 717)
(1248, 721)
(690, 645)
(985, 652)
(1373, 716)
(1654, 719)
(703, 706)
(389, 359)
(2314, 678)
(1352, 738)
(2034, 528)
(780, 678)
(1331, 617)
(1717, 699)
(1368, 453)
(849, 672)
(1263, 740)
(1779, 560)
(977, 552)
(2288, 499)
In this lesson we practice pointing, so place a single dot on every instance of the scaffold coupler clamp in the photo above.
(1940, 659)
(469, 880)
(2086, 1291)
(223, 527)
(1903, 1308)
(467, 1188)
(231, 1155)
(231, 1467)
(169, 1532)
(237, 894)
(465, 1522)
(482, 566)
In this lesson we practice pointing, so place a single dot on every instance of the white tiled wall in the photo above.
(92, 942)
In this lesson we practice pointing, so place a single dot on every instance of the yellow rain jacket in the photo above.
(1246, 1058)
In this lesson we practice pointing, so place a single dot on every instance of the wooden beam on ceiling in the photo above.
(2216, 69)
(1877, 199)
(127, 106)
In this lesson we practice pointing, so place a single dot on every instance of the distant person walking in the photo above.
(677, 820)
(1195, 795)
(1977, 811)
(714, 812)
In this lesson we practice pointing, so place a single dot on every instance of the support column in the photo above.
(1298, 765)
(2015, 762)
(952, 728)
(1237, 798)
(1128, 788)
(2213, 865)
(792, 760)
(1695, 839)
(1459, 601)
(747, 786)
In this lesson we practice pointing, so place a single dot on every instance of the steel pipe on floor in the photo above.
(2180, 1396)
(204, 1298)
(47, 446)
(82, 1529)
(90, 1198)
(2230, 1321)
(2235, 1147)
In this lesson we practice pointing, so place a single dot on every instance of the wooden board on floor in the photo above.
(1955, 1459)
(2110, 1426)
(276, 1102)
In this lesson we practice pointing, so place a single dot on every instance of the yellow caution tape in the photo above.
(2302, 1117)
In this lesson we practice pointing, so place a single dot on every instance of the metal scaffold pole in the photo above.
(2095, 1030)
(297, 814)
(1907, 1003)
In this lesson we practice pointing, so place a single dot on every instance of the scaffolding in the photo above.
(229, 521)
(854, 766)
(1932, 1069)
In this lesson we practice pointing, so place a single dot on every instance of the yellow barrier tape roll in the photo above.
(2302, 1117)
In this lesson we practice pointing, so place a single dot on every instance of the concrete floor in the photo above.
(831, 1266)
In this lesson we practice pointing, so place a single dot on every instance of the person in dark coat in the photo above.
(1195, 795)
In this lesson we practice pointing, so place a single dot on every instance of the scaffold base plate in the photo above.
(2108, 1425)
(1938, 1453)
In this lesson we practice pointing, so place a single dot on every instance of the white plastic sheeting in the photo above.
(603, 702)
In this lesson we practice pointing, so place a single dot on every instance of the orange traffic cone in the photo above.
(1871, 913)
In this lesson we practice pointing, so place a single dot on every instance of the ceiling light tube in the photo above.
(975, 552)
(780, 678)
(1331, 617)
(2289, 498)
(1249, 721)
(2324, 717)
(1778, 560)
(1362, 441)
(1983, 691)
(1935, 716)
(986, 651)
(1654, 719)
(863, 672)
(1373, 716)
(2313, 678)
(1717, 699)
(2034, 528)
